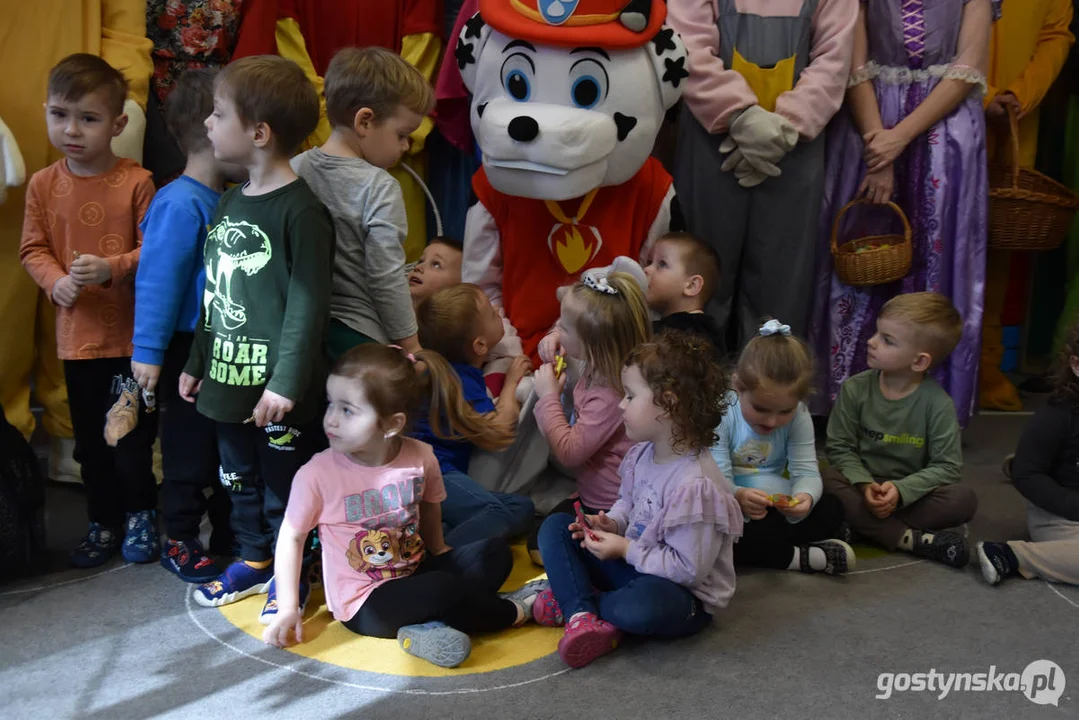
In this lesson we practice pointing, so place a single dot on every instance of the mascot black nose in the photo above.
(523, 128)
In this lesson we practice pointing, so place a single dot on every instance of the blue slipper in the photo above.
(435, 642)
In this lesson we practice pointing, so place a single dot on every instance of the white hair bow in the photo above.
(774, 326)
(598, 283)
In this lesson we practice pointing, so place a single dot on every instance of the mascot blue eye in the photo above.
(517, 85)
(586, 92)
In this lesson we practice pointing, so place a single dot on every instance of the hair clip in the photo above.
(598, 283)
(773, 327)
(408, 355)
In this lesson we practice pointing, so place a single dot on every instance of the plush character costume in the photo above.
(310, 32)
(1029, 46)
(567, 98)
(767, 77)
(41, 33)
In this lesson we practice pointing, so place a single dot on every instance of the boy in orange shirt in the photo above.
(81, 243)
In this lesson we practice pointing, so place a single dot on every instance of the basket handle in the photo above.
(862, 201)
(1013, 127)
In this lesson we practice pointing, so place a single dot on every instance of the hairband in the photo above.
(408, 355)
(773, 327)
(596, 278)
(599, 284)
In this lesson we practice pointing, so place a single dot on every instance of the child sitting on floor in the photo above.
(1045, 471)
(893, 436)
(767, 429)
(660, 561)
(683, 275)
(375, 497)
(460, 323)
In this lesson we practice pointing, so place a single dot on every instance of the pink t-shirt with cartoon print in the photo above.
(368, 519)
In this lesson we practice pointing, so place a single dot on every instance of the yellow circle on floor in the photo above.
(331, 642)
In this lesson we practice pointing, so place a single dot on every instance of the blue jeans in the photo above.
(634, 602)
(474, 513)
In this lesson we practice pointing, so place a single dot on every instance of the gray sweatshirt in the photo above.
(370, 288)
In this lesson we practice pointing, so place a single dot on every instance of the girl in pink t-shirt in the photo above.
(375, 497)
(661, 561)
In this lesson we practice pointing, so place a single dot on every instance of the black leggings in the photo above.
(770, 541)
(458, 587)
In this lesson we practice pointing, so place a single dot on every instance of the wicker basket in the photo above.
(1027, 210)
(872, 260)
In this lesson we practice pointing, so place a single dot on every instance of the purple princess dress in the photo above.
(940, 183)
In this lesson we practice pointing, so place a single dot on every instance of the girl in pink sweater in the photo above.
(604, 316)
(661, 562)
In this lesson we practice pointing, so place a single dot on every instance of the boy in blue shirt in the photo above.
(168, 294)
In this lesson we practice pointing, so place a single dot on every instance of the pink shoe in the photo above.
(587, 638)
(545, 610)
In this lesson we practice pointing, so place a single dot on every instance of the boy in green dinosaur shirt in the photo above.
(894, 440)
(255, 363)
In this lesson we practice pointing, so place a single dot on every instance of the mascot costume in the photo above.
(567, 99)
(37, 35)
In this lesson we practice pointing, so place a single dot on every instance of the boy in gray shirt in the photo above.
(374, 100)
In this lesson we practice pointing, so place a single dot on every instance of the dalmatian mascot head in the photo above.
(568, 95)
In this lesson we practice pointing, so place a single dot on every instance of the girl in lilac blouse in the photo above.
(661, 561)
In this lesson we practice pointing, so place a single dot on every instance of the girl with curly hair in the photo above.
(766, 447)
(661, 561)
(1045, 471)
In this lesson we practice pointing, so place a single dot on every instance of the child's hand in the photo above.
(65, 291)
(285, 622)
(602, 522)
(605, 545)
(145, 375)
(550, 346)
(755, 503)
(547, 383)
(91, 270)
(520, 367)
(189, 387)
(875, 496)
(889, 495)
(271, 408)
(805, 504)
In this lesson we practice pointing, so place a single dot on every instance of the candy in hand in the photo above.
(559, 365)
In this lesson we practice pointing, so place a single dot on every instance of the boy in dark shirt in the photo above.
(256, 359)
(682, 277)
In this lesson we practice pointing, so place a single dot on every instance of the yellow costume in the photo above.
(37, 35)
(1029, 45)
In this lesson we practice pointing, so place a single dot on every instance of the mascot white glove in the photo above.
(128, 144)
(757, 141)
(12, 167)
(750, 171)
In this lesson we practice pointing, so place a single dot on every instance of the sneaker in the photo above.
(587, 638)
(141, 543)
(435, 642)
(237, 582)
(838, 557)
(100, 544)
(269, 610)
(545, 610)
(525, 597)
(187, 561)
(945, 547)
(997, 561)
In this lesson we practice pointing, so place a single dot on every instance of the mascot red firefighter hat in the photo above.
(567, 99)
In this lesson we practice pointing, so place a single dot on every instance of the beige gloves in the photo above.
(12, 168)
(757, 141)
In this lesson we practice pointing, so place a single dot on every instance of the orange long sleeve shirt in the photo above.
(68, 215)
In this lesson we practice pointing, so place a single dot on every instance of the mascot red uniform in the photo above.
(567, 98)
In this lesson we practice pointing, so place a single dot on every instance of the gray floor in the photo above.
(126, 642)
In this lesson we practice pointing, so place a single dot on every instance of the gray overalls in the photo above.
(766, 236)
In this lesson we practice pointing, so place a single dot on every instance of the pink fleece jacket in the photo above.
(714, 93)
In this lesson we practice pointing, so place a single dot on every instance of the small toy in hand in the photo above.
(781, 500)
(559, 365)
(583, 521)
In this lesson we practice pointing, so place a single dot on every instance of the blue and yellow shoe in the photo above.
(239, 580)
(269, 610)
(435, 642)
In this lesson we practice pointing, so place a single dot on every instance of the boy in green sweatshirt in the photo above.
(255, 362)
(894, 440)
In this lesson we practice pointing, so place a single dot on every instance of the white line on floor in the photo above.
(890, 567)
(461, 691)
(42, 588)
(1062, 595)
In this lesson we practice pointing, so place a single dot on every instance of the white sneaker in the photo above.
(62, 465)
